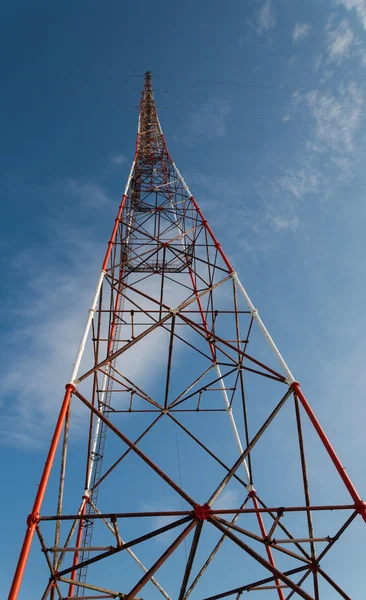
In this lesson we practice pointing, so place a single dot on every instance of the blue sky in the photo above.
(263, 109)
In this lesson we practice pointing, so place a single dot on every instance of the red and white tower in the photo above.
(182, 435)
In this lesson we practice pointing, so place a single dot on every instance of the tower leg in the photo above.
(33, 518)
(360, 506)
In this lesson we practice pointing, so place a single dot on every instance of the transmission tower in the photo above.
(189, 462)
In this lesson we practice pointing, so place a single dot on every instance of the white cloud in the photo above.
(292, 61)
(229, 498)
(88, 193)
(264, 214)
(47, 326)
(359, 6)
(317, 62)
(46, 337)
(118, 159)
(209, 122)
(297, 181)
(340, 40)
(300, 32)
(337, 117)
(361, 53)
(326, 76)
(266, 18)
(283, 223)
(342, 163)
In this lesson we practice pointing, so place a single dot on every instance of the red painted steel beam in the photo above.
(78, 544)
(212, 235)
(34, 517)
(268, 549)
(360, 505)
(114, 231)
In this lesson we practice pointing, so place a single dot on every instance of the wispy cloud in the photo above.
(317, 62)
(89, 193)
(278, 211)
(44, 339)
(292, 61)
(340, 40)
(337, 117)
(284, 223)
(208, 122)
(359, 6)
(266, 18)
(229, 498)
(47, 326)
(263, 214)
(328, 162)
(300, 32)
(298, 181)
(118, 159)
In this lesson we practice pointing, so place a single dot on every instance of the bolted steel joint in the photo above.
(314, 568)
(202, 512)
(295, 386)
(33, 519)
(361, 509)
(69, 387)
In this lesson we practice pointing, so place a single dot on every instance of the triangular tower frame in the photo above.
(166, 283)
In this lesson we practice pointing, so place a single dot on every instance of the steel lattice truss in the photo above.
(193, 427)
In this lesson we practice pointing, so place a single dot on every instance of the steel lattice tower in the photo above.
(182, 435)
